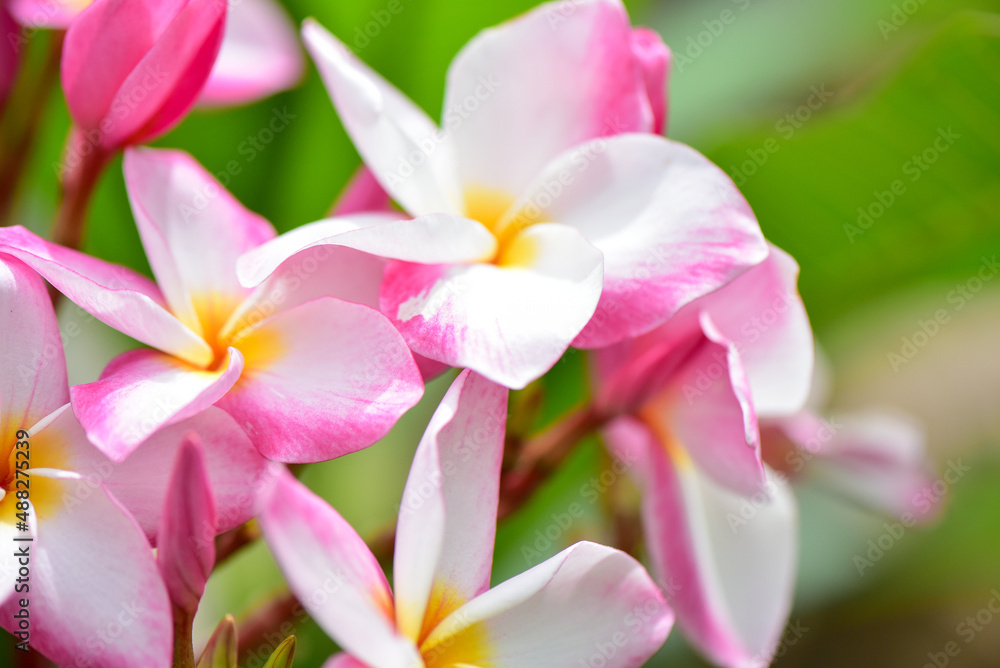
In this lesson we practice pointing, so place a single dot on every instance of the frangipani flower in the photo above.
(132, 70)
(689, 395)
(546, 212)
(83, 564)
(569, 609)
(307, 375)
(260, 54)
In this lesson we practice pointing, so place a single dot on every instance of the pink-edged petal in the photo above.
(400, 144)
(144, 390)
(730, 571)
(432, 239)
(560, 613)
(96, 597)
(51, 14)
(185, 546)
(706, 410)
(762, 313)
(654, 56)
(115, 295)
(520, 94)
(193, 232)
(260, 55)
(509, 322)
(363, 194)
(876, 458)
(343, 661)
(32, 362)
(334, 575)
(321, 380)
(133, 69)
(447, 517)
(238, 474)
(672, 227)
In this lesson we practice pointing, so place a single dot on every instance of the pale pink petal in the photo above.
(131, 70)
(115, 295)
(238, 474)
(508, 322)
(400, 144)
(672, 227)
(334, 575)
(260, 55)
(588, 604)
(321, 380)
(363, 194)
(876, 458)
(193, 232)
(96, 595)
(184, 555)
(762, 314)
(447, 516)
(343, 661)
(428, 239)
(32, 363)
(727, 561)
(142, 391)
(520, 94)
(52, 14)
(655, 57)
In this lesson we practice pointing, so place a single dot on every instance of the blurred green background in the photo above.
(815, 108)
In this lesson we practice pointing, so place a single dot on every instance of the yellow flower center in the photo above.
(494, 209)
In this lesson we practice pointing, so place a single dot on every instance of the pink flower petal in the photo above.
(522, 93)
(729, 572)
(142, 391)
(671, 225)
(52, 14)
(115, 295)
(32, 364)
(509, 323)
(321, 380)
(655, 58)
(96, 596)
(448, 513)
(588, 605)
(185, 547)
(193, 231)
(398, 141)
(363, 194)
(334, 575)
(260, 55)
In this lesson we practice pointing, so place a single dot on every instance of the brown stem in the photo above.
(13, 164)
(541, 456)
(262, 631)
(183, 643)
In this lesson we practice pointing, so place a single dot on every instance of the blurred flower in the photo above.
(306, 374)
(689, 394)
(547, 213)
(568, 610)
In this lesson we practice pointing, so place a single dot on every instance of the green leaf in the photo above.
(875, 191)
(220, 652)
(282, 657)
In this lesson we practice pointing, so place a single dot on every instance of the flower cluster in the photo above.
(546, 211)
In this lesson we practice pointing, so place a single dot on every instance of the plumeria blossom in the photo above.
(260, 54)
(306, 374)
(545, 211)
(443, 613)
(688, 396)
(132, 70)
(89, 564)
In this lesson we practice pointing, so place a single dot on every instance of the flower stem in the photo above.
(183, 643)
